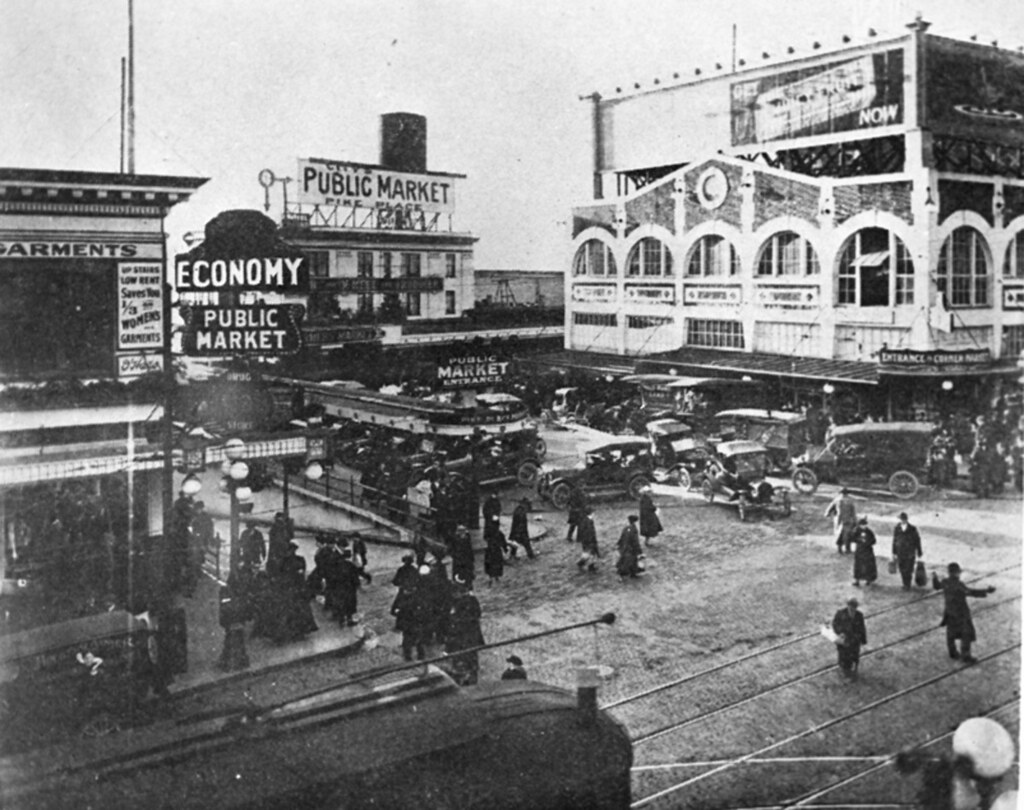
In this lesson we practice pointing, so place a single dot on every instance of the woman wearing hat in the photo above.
(864, 565)
(650, 525)
(515, 671)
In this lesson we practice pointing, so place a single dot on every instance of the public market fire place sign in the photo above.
(241, 254)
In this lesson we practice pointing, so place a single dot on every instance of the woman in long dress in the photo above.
(864, 566)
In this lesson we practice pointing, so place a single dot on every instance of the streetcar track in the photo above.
(827, 724)
(781, 645)
(644, 738)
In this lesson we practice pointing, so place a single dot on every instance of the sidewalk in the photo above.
(202, 610)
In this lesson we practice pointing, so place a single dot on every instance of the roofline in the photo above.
(89, 179)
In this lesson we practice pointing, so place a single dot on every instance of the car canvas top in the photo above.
(760, 413)
(883, 427)
(739, 447)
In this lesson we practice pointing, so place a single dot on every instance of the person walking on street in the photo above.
(494, 554)
(956, 614)
(464, 633)
(252, 546)
(462, 556)
(843, 512)
(577, 506)
(848, 625)
(406, 572)
(864, 565)
(588, 541)
(650, 525)
(628, 564)
(519, 534)
(491, 512)
(411, 611)
(282, 531)
(515, 670)
(906, 548)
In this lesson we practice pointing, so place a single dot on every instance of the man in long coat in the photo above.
(462, 556)
(650, 525)
(628, 564)
(577, 507)
(843, 512)
(464, 633)
(848, 625)
(519, 534)
(587, 534)
(956, 615)
(906, 548)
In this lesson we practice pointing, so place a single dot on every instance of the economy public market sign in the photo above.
(259, 330)
(255, 274)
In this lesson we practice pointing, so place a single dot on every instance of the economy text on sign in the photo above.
(328, 183)
(470, 370)
(264, 274)
(261, 330)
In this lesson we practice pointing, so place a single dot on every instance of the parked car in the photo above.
(896, 453)
(621, 465)
(680, 457)
(784, 433)
(736, 475)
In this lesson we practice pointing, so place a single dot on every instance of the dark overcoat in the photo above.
(650, 525)
(956, 614)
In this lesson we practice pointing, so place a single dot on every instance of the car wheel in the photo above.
(683, 478)
(636, 486)
(527, 474)
(903, 484)
(707, 491)
(804, 480)
(787, 505)
(560, 495)
(540, 447)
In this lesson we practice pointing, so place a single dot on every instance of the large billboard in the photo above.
(327, 183)
(974, 91)
(862, 92)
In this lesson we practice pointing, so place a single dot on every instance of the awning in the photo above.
(876, 259)
(689, 360)
(40, 419)
(615, 365)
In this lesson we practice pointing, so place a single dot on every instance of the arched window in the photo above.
(963, 273)
(788, 254)
(713, 256)
(594, 258)
(649, 257)
(875, 270)
(1013, 265)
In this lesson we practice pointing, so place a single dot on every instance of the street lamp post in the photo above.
(233, 596)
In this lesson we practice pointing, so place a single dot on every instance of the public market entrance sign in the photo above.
(938, 361)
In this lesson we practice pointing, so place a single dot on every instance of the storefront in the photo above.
(806, 236)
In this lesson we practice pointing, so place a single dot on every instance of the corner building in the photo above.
(850, 221)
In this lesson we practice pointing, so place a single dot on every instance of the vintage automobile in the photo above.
(896, 453)
(88, 675)
(680, 456)
(784, 433)
(736, 475)
(619, 465)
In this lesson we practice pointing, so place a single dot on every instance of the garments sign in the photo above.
(244, 330)
(839, 96)
(45, 249)
(715, 295)
(911, 361)
(140, 306)
(329, 183)
(287, 274)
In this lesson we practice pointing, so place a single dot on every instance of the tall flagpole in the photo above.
(131, 89)
(123, 80)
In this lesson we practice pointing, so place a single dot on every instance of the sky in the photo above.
(225, 88)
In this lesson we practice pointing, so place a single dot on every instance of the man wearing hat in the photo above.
(848, 625)
(956, 615)
(906, 548)
(587, 534)
(843, 512)
(515, 671)
(406, 573)
(519, 534)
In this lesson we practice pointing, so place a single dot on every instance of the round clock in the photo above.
(712, 188)
(266, 178)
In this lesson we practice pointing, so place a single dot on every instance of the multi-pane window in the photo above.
(411, 263)
(594, 319)
(449, 265)
(449, 302)
(788, 254)
(875, 270)
(364, 264)
(646, 321)
(649, 257)
(1013, 341)
(319, 263)
(385, 265)
(963, 269)
(594, 258)
(1013, 264)
(714, 334)
(412, 304)
(713, 256)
